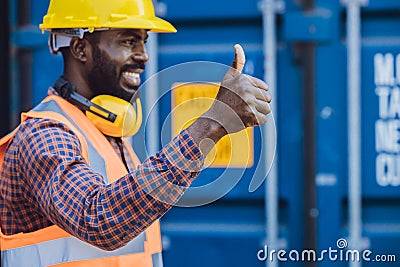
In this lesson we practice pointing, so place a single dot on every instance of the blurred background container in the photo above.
(336, 101)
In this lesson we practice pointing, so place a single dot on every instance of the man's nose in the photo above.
(141, 54)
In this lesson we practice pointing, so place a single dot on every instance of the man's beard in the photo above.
(104, 79)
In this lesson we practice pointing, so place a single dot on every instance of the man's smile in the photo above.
(131, 76)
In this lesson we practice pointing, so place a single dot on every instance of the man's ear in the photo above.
(79, 49)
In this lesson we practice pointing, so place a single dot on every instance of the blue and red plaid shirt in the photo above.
(45, 180)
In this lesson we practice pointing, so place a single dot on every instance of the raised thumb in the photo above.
(238, 62)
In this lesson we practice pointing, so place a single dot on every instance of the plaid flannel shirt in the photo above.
(45, 180)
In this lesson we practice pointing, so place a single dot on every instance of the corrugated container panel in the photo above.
(379, 142)
(381, 153)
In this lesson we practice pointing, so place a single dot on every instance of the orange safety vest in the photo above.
(52, 246)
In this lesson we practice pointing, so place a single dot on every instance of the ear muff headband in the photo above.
(113, 116)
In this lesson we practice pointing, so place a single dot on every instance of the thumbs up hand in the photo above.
(242, 100)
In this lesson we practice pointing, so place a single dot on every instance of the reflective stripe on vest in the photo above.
(95, 160)
(66, 250)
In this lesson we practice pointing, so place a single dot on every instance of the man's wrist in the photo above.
(206, 132)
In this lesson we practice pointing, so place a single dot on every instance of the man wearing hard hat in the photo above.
(72, 191)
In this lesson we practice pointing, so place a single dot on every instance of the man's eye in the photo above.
(129, 42)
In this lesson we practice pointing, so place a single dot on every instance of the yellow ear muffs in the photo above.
(127, 121)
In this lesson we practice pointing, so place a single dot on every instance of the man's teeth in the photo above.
(131, 74)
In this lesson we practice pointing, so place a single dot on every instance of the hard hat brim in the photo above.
(154, 24)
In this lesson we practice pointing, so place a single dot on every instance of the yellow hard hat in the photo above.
(92, 14)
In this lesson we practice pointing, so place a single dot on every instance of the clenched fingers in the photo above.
(262, 95)
(257, 82)
(257, 93)
(262, 107)
(258, 88)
